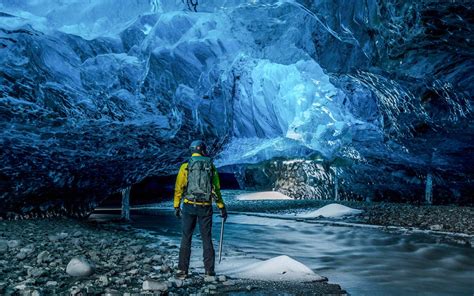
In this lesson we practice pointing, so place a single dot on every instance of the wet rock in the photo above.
(80, 266)
(177, 282)
(209, 279)
(21, 256)
(77, 233)
(104, 280)
(36, 272)
(133, 271)
(76, 241)
(28, 249)
(44, 256)
(146, 260)
(13, 244)
(436, 227)
(165, 268)
(157, 259)
(30, 292)
(51, 283)
(151, 285)
(136, 249)
(129, 258)
(113, 293)
(75, 291)
(3, 246)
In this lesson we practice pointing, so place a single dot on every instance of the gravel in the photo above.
(111, 259)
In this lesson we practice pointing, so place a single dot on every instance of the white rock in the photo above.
(436, 227)
(150, 285)
(51, 283)
(104, 280)
(79, 266)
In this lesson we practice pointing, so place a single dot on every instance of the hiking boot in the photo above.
(181, 274)
(210, 273)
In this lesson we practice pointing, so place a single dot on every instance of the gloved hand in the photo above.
(224, 214)
(177, 212)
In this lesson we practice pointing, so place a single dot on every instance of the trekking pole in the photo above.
(220, 241)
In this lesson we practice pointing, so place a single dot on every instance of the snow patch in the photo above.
(331, 211)
(281, 268)
(264, 195)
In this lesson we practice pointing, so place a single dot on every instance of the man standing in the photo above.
(197, 184)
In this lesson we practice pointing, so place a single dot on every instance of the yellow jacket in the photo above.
(182, 182)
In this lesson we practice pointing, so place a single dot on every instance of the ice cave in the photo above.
(328, 122)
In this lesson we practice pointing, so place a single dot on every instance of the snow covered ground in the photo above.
(333, 210)
(280, 268)
(264, 195)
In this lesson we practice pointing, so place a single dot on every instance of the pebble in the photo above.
(165, 268)
(21, 256)
(178, 283)
(28, 249)
(36, 272)
(436, 227)
(209, 279)
(104, 280)
(46, 249)
(44, 256)
(79, 266)
(129, 258)
(75, 291)
(76, 241)
(146, 260)
(3, 245)
(151, 285)
(51, 283)
(157, 259)
(136, 249)
(13, 244)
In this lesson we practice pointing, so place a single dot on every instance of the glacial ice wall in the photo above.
(97, 95)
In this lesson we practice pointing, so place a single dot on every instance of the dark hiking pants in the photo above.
(190, 215)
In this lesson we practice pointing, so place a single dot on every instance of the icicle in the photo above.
(126, 203)
(336, 185)
(429, 189)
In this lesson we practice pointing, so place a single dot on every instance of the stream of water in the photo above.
(363, 260)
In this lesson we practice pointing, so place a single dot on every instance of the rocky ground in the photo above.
(436, 218)
(459, 219)
(69, 257)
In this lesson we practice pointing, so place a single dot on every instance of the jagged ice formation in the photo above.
(96, 96)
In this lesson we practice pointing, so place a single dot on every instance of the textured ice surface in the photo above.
(97, 95)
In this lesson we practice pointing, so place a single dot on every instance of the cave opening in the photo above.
(156, 189)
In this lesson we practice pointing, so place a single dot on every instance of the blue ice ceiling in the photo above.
(96, 95)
